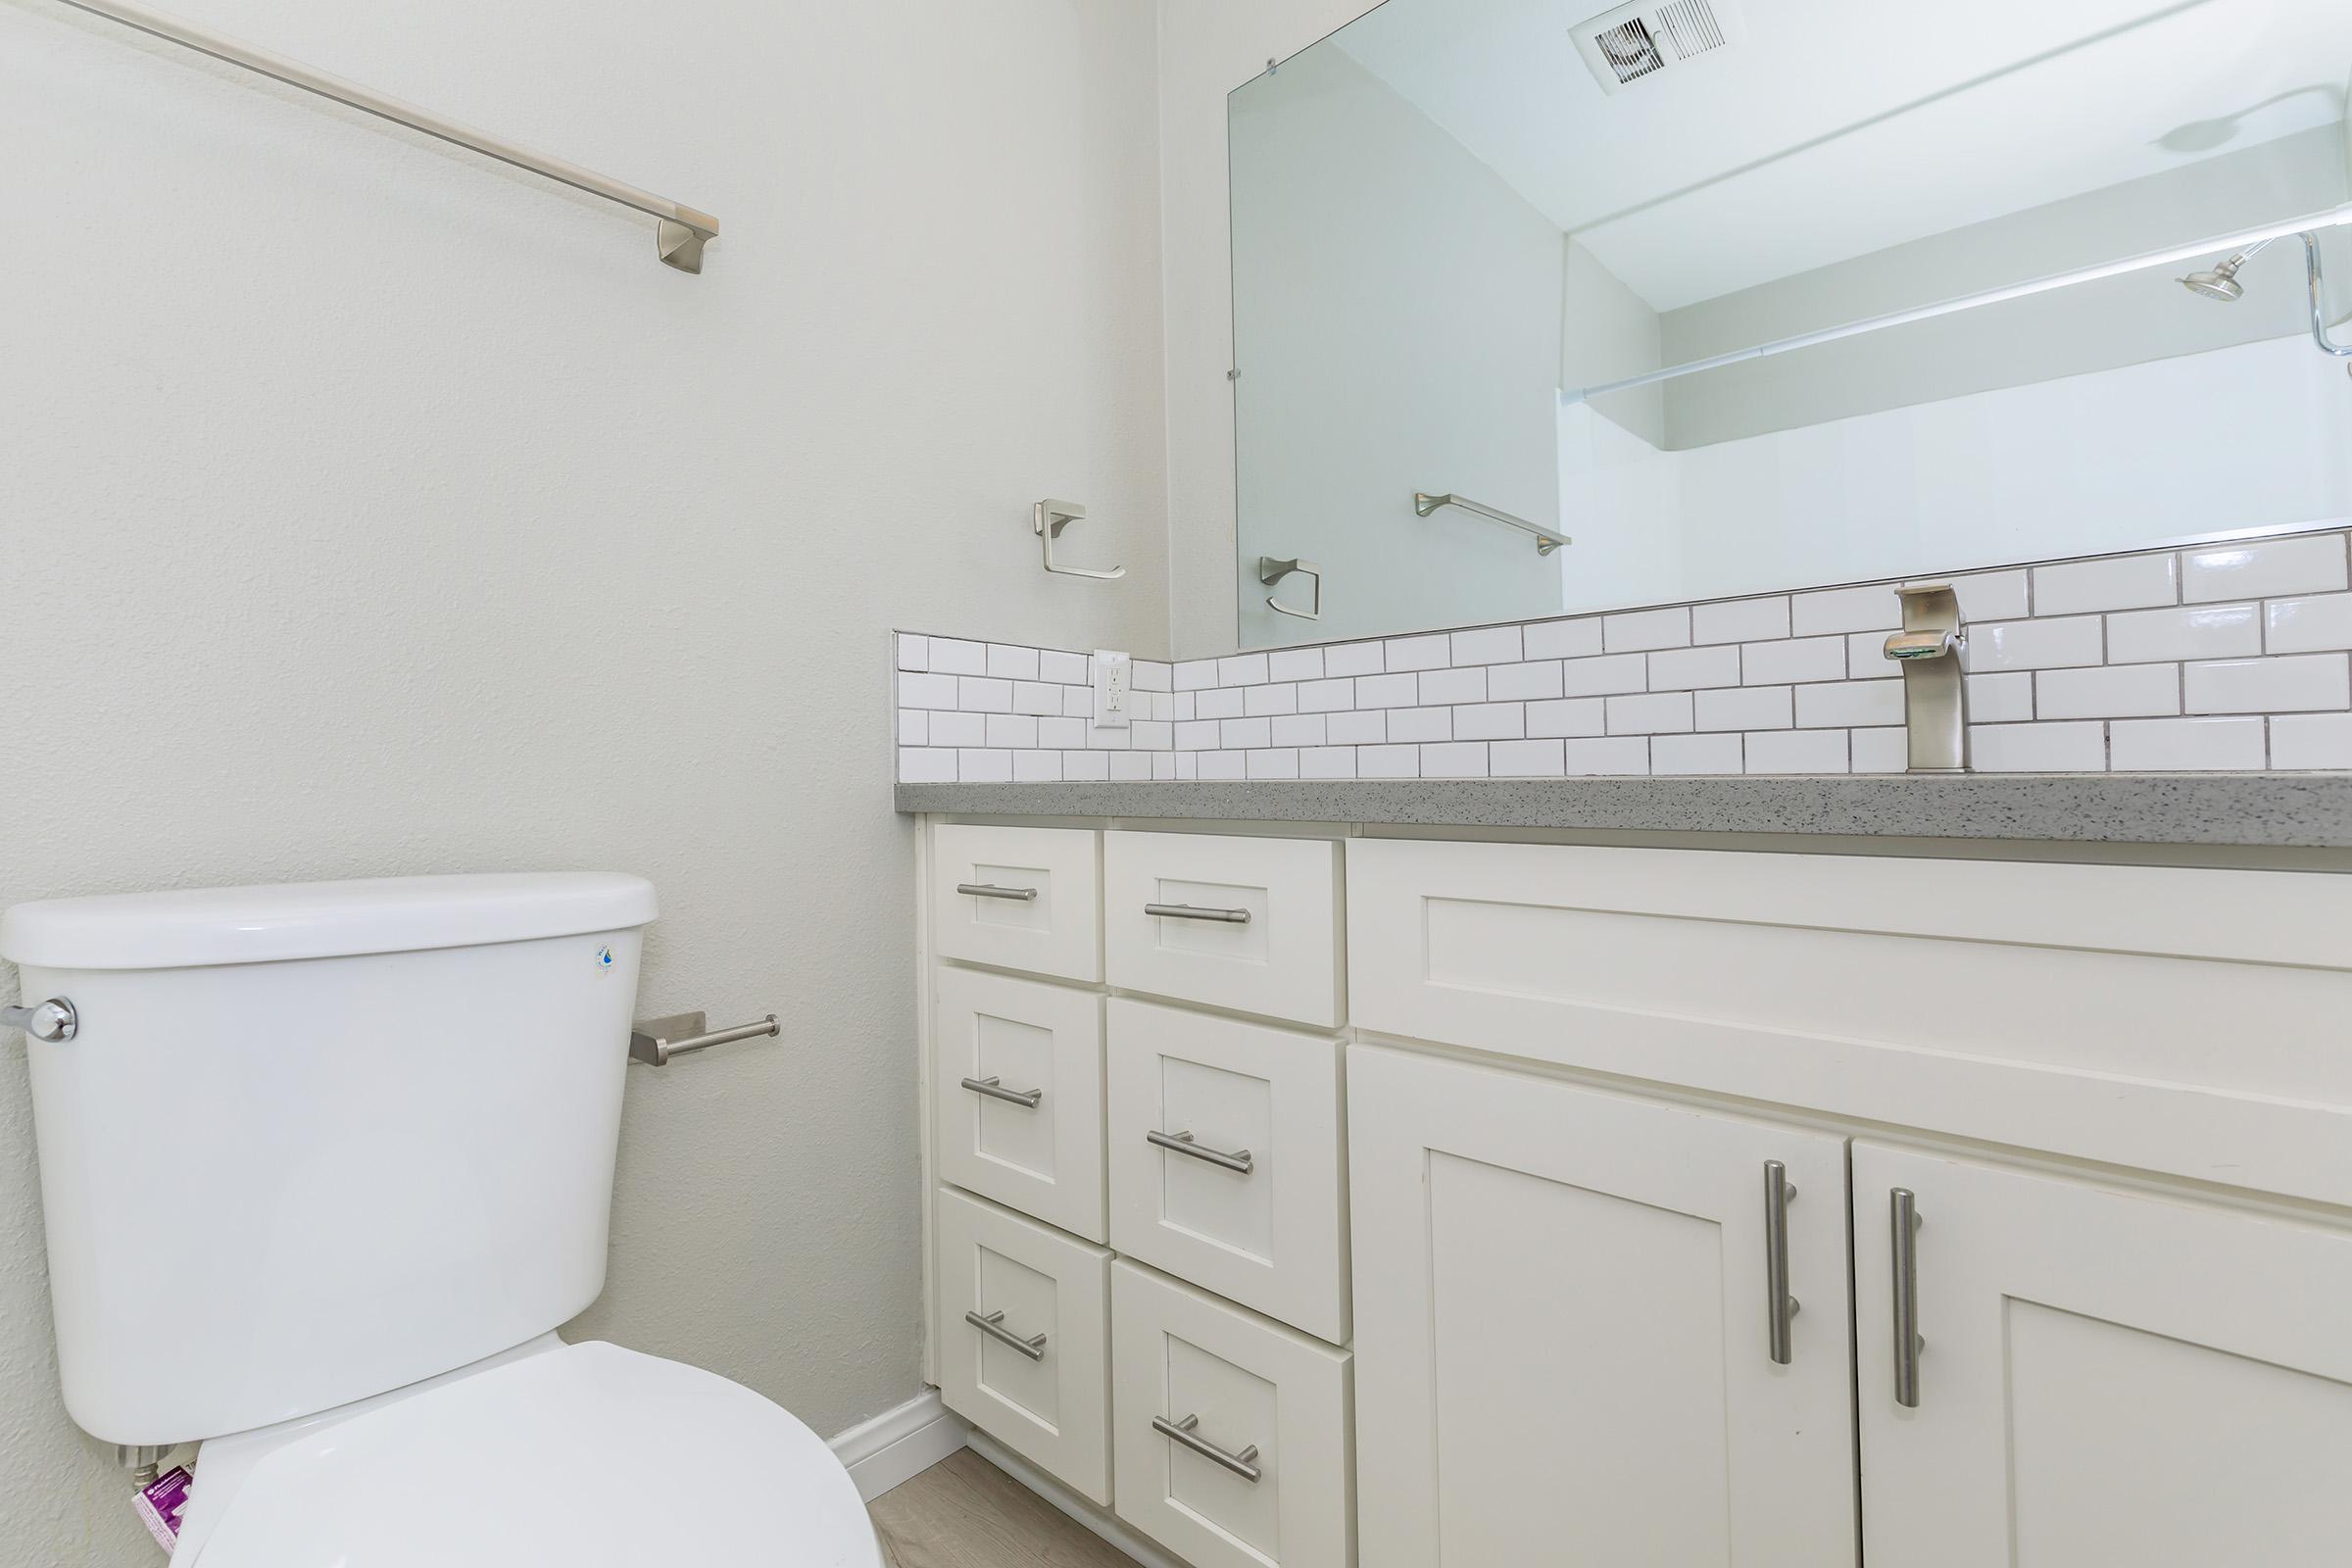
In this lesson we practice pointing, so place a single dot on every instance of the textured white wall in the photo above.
(369, 508)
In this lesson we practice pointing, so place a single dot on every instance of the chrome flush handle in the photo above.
(54, 1021)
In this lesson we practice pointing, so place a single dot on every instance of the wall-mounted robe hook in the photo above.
(1051, 518)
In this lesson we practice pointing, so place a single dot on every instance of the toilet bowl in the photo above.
(551, 1456)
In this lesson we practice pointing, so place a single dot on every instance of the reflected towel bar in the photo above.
(1545, 540)
(2337, 218)
(679, 238)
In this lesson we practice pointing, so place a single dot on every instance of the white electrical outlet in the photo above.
(1112, 685)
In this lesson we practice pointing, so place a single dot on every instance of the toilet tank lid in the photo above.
(199, 926)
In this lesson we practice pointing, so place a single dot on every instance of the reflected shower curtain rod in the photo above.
(2334, 217)
(679, 237)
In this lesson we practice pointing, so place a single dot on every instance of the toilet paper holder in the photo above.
(654, 1040)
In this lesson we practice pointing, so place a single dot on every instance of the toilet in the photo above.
(322, 1168)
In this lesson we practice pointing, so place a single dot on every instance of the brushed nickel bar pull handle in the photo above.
(680, 231)
(1780, 1307)
(1903, 1225)
(54, 1021)
(993, 1327)
(1196, 912)
(989, 889)
(994, 1088)
(1182, 1433)
(650, 1042)
(1182, 1143)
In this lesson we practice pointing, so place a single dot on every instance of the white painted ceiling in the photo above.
(1840, 127)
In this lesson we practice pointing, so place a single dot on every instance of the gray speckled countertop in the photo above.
(2287, 809)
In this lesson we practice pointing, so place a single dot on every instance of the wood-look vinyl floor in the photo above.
(964, 1513)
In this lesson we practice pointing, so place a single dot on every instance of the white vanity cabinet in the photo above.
(2107, 1377)
(1593, 1328)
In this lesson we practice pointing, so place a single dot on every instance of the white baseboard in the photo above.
(1106, 1526)
(900, 1444)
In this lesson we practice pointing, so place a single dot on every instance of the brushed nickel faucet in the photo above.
(1935, 687)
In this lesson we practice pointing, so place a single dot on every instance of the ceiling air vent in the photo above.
(1650, 36)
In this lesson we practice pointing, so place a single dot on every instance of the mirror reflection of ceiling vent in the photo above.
(1641, 40)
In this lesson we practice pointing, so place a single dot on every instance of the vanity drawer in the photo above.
(1247, 923)
(1019, 898)
(1046, 1398)
(1226, 1160)
(1018, 1094)
(1259, 1470)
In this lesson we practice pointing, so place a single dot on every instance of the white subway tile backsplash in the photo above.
(1295, 663)
(2108, 691)
(1013, 663)
(2074, 666)
(1418, 653)
(1796, 750)
(1524, 760)
(923, 765)
(1490, 721)
(1561, 639)
(958, 729)
(1642, 629)
(2035, 644)
(1455, 759)
(1879, 751)
(2121, 582)
(1241, 669)
(2202, 631)
(1618, 754)
(2307, 625)
(953, 655)
(1523, 683)
(2311, 741)
(1420, 723)
(1845, 609)
(2000, 698)
(978, 767)
(1851, 704)
(1595, 677)
(2185, 745)
(1277, 699)
(1652, 713)
(1298, 729)
(2298, 684)
(2266, 568)
(1741, 620)
(1010, 729)
(1486, 645)
(1744, 707)
(1784, 662)
(1574, 715)
(1682, 669)
(1695, 753)
(1453, 685)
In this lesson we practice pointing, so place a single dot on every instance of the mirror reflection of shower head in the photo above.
(2221, 281)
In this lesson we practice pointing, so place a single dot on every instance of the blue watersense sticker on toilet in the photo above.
(603, 957)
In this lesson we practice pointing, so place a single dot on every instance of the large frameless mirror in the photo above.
(1539, 308)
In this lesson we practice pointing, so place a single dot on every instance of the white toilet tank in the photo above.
(317, 1142)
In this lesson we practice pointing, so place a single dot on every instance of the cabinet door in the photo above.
(1564, 1328)
(2107, 1377)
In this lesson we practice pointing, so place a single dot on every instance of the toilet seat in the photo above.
(555, 1456)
